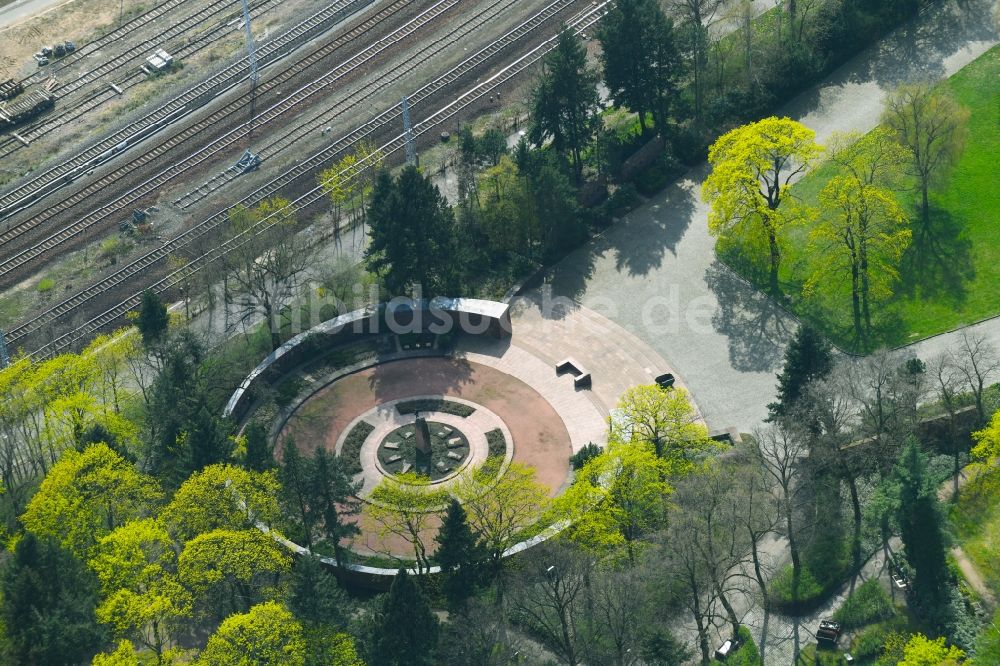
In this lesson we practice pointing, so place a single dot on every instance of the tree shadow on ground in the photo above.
(405, 377)
(938, 262)
(757, 327)
(916, 51)
(641, 239)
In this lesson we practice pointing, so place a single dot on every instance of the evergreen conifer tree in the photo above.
(409, 631)
(153, 318)
(807, 358)
(459, 554)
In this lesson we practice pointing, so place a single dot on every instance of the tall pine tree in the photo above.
(411, 232)
(807, 358)
(333, 496)
(459, 555)
(153, 319)
(409, 632)
(565, 100)
(295, 477)
(921, 528)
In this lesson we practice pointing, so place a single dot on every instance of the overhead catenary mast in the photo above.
(252, 55)
(4, 355)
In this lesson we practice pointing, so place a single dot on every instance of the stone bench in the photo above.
(393, 459)
(581, 377)
(441, 467)
(406, 468)
(455, 456)
(393, 446)
(454, 442)
(444, 432)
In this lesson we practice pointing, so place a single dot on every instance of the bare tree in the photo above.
(714, 512)
(697, 16)
(978, 363)
(682, 560)
(780, 450)
(264, 269)
(616, 600)
(759, 517)
(550, 595)
(930, 124)
(946, 382)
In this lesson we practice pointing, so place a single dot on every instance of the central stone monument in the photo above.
(421, 446)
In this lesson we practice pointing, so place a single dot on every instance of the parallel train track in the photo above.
(95, 98)
(17, 335)
(100, 151)
(160, 179)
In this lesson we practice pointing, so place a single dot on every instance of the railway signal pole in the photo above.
(252, 54)
(411, 152)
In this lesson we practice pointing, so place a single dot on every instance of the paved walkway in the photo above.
(656, 274)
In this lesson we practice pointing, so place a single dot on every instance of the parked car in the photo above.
(727, 649)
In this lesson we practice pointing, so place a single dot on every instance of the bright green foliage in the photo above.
(500, 510)
(266, 635)
(747, 189)
(565, 101)
(987, 440)
(402, 505)
(48, 605)
(665, 419)
(409, 630)
(136, 565)
(231, 567)
(616, 498)
(411, 235)
(863, 231)
(642, 65)
(922, 651)
(123, 655)
(86, 495)
(222, 497)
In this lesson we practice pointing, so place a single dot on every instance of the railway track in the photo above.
(277, 144)
(95, 98)
(92, 47)
(102, 150)
(17, 335)
(271, 114)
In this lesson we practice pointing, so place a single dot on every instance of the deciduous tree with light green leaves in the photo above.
(222, 497)
(267, 635)
(616, 498)
(403, 505)
(863, 230)
(136, 565)
(923, 651)
(666, 420)
(232, 568)
(987, 440)
(87, 495)
(501, 509)
(752, 169)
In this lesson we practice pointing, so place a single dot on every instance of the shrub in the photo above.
(811, 592)
(497, 443)
(747, 654)
(867, 604)
(580, 458)
(435, 405)
(655, 177)
(287, 390)
(350, 453)
(46, 285)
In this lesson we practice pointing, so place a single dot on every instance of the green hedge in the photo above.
(497, 443)
(350, 453)
(747, 654)
(435, 405)
(866, 605)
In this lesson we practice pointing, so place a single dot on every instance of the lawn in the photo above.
(976, 520)
(950, 275)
